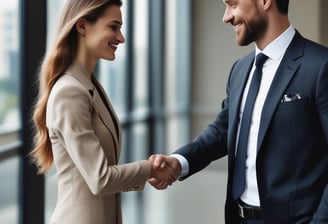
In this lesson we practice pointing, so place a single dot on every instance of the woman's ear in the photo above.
(80, 26)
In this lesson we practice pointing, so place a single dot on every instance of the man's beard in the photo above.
(253, 31)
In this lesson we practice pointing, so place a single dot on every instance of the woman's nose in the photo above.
(121, 37)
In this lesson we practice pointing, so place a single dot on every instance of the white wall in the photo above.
(305, 17)
(215, 50)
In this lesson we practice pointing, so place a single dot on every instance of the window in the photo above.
(9, 208)
(9, 110)
(9, 71)
(177, 76)
(53, 12)
(140, 54)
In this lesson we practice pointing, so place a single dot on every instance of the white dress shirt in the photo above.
(275, 51)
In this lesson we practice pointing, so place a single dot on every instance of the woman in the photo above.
(77, 128)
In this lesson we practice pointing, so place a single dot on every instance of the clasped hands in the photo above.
(164, 171)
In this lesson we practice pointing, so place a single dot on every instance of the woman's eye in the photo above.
(113, 28)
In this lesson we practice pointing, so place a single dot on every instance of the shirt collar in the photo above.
(276, 49)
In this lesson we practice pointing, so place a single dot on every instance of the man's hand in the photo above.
(164, 171)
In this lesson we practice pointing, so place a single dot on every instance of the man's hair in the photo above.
(282, 6)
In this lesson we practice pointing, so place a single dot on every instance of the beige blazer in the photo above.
(86, 149)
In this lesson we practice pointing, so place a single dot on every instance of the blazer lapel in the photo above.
(105, 117)
(104, 113)
(287, 69)
(78, 72)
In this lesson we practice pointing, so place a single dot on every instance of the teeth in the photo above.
(236, 26)
(113, 45)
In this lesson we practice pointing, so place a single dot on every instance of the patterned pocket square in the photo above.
(290, 97)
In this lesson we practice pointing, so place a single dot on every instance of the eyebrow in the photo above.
(229, 1)
(117, 22)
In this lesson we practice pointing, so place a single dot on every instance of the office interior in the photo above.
(166, 84)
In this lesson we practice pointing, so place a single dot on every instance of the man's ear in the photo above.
(267, 4)
(80, 26)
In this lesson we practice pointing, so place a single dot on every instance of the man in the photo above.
(277, 144)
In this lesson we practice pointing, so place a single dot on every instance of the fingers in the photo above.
(158, 161)
(174, 164)
(159, 185)
(166, 174)
(165, 170)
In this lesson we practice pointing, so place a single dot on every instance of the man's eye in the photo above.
(233, 5)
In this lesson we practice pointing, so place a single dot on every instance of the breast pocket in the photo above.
(294, 120)
(296, 104)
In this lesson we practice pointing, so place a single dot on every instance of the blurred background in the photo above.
(166, 84)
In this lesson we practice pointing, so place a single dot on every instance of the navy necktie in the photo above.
(240, 162)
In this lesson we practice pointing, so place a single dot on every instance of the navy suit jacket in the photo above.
(292, 158)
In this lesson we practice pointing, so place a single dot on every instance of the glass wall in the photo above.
(9, 109)
(9, 70)
(9, 207)
(140, 54)
(53, 12)
(178, 72)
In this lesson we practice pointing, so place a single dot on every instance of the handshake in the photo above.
(164, 171)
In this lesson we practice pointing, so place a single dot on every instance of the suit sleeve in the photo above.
(70, 118)
(321, 215)
(322, 98)
(209, 145)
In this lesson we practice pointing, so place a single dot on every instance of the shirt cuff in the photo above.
(184, 164)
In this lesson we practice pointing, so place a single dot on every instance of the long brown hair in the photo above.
(56, 61)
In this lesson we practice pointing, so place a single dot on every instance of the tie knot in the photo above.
(260, 59)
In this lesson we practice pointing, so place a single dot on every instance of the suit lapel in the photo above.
(238, 82)
(285, 72)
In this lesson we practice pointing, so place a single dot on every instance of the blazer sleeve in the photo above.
(69, 116)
